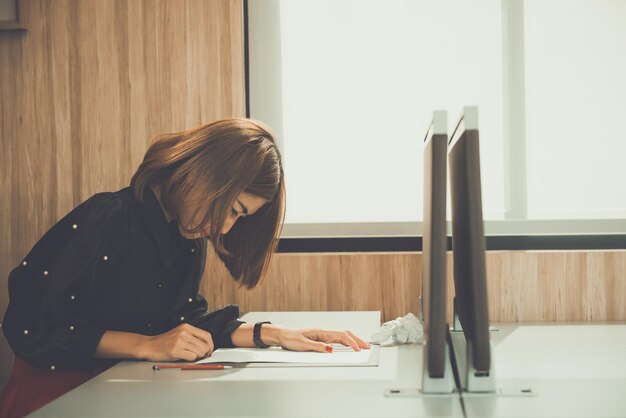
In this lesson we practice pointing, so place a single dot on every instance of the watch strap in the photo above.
(256, 335)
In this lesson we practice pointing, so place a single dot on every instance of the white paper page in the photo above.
(340, 355)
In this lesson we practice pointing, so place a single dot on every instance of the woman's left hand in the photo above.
(317, 339)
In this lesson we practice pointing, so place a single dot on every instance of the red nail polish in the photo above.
(329, 348)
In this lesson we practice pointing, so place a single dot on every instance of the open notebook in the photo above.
(277, 357)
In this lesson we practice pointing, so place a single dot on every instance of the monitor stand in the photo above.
(460, 375)
(472, 380)
(444, 384)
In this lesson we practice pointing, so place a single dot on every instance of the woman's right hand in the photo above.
(185, 342)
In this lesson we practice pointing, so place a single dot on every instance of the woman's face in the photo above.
(246, 204)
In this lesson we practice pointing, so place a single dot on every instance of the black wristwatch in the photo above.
(256, 335)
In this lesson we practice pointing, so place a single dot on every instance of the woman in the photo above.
(118, 277)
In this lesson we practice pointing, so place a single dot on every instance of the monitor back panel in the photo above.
(434, 251)
(468, 243)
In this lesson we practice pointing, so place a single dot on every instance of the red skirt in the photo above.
(29, 388)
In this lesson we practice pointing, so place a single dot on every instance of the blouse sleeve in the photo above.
(224, 340)
(47, 290)
(221, 323)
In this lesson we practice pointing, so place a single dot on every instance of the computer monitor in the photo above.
(468, 240)
(434, 245)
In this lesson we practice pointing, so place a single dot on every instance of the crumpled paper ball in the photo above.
(407, 329)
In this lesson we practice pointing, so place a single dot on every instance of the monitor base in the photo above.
(444, 384)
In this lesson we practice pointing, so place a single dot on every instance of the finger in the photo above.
(186, 341)
(318, 346)
(203, 335)
(361, 343)
(344, 338)
(197, 346)
(186, 355)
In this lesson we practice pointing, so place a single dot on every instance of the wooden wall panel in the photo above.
(87, 87)
(523, 285)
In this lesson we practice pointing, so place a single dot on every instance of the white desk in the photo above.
(574, 370)
(134, 389)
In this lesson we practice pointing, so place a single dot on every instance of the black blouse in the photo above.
(113, 263)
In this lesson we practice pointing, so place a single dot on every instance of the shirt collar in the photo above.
(165, 235)
(156, 222)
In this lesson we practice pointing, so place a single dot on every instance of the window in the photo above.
(575, 105)
(350, 87)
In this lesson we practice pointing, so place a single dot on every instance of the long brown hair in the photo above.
(216, 163)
